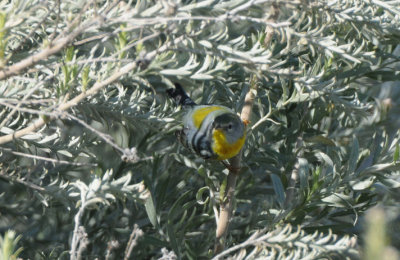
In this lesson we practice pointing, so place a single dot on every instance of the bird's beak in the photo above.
(215, 126)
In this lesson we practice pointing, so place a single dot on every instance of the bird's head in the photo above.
(230, 125)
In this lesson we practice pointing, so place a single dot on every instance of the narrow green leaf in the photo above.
(362, 185)
(390, 183)
(303, 174)
(396, 153)
(278, 188)
(65, 152)
(353, 158)
(326, 159)
(176, 209)
(174, 212)
(206, 44)
(152, 240)
(381, 167)
(172, 238)
(173, 72)
(222, 189)
(201, 77)
(319, 139)
(316, 173)
(199, 195)
(151, 211)
(338, 200)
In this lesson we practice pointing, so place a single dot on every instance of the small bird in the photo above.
(211, 131)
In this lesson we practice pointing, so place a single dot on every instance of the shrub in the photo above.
(90, 166)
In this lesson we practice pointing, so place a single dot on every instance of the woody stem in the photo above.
(226, 205)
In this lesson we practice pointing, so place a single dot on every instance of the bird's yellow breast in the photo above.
(223, 148)
(201, 113)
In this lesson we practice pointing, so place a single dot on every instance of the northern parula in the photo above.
(211, 131)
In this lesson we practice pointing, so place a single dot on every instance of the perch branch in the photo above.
(226, 205)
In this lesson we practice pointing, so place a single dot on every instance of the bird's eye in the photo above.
(230, 127)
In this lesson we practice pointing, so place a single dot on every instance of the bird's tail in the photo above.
(180, 96)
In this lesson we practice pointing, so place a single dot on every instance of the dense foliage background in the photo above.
(90, 166)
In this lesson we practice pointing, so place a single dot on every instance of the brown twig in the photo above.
(226, 205)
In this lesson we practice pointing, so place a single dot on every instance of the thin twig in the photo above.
(266, 117)
(214, 206)
(133, 239)
(290, 191)
(111, 245)
(28, 110)
(127, 154)
(83, 243)
(6, 101)
(105, 137)
(19, 104)
(51, 37)
(27, 184)
(294, 176)
(94, 38)
(36, 157)
(235, 57)
(79, 232)
(226, 206)
(269, 30)
(222, 18)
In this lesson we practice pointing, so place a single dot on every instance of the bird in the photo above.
(211, 131)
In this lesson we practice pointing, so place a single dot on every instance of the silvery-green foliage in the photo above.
(292, 243)
(322, 146)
